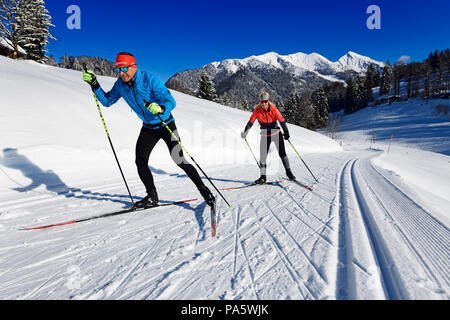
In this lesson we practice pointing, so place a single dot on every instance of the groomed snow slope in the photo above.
(364, 232)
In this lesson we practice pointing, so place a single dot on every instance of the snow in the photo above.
(375, 225)
(356, 62)
(301, 62)
(310, 62)
(7, 44)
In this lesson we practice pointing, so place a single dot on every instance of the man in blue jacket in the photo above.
(150, 100)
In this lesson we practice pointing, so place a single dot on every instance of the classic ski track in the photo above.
(408, 242)
(346, 279)
(426, 237)
(399, 189)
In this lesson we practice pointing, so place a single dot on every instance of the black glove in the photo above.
(286, 135)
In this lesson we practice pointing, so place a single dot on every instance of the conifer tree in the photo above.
(350, 97)
(224, 100)
(26, 23)
(8, 15)
(290, 107)
(305, 115)
(387, 79)
(320, 101)
(206, 88)
(361, 93)
(370, 81)
(34, 24)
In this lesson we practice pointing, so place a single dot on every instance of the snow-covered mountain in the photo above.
(281, 75)
(356, 62)
(298, 63)
(375, 226)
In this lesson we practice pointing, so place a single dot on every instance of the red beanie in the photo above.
(125, 59)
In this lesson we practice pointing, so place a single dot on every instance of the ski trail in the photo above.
(321, 237)
(290, 269)
(238, 242)
(355, 252)
(305, 199)
(235, 249)
(389, 246)
(298, 246)
(114, 287)
(425, 240)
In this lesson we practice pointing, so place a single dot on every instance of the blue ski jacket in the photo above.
(144, 86)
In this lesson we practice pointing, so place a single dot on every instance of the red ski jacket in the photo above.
(267, 118)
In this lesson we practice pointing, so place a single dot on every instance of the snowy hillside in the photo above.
(375, 226)
(49, 116)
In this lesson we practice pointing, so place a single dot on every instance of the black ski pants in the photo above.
(264, 147)
(147, 140)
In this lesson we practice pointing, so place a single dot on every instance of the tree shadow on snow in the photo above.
(53, 183)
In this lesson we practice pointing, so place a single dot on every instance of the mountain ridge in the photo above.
(240, 80)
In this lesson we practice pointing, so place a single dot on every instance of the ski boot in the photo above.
(151, 200)
(290, 175)
(261, 180)
(207, 195)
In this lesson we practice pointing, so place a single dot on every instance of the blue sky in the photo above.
(172, 36)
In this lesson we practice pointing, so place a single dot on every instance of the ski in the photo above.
(301, 184)
(252, 185)
(110, 214)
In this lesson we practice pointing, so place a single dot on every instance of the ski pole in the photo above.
(302, 160)
(110, 142)
(248, 145)
(184, 149)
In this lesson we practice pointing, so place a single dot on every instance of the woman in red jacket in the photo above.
(267, 115)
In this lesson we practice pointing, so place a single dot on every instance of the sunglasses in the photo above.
(263, 101)
(123, 69)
